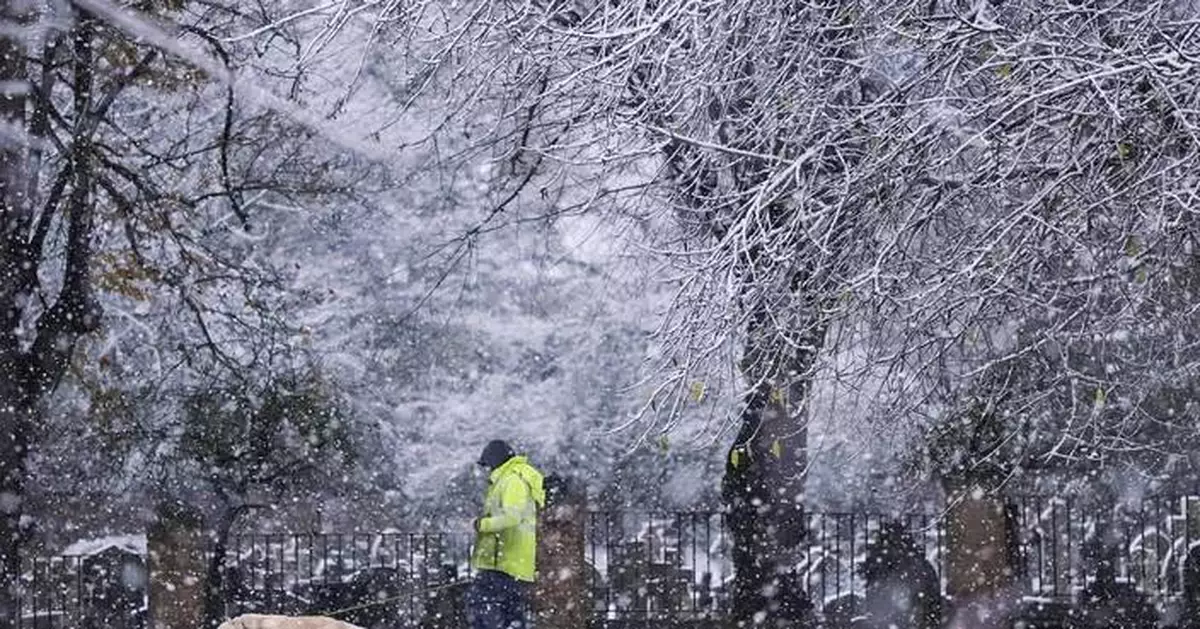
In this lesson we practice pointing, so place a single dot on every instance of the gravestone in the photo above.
(666, 588)
(597, 590)
(1043, 613)
(627, 573)
(903, 589)
(843, 612)
(1109, 604)
(115, 582)
(705, 601)
(1191, 590)
(378, 596)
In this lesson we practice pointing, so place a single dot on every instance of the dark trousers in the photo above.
(496, 601)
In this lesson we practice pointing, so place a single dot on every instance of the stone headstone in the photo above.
(1038, 613)
(1107, 604)
(1191, 590)
(378, 594)
(115, 582)
(842, 612)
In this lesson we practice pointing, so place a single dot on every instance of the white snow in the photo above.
(133, 543)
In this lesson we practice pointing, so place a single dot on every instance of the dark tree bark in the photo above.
(32, 367)
(15, 385)
(214, 583)
(763, 486)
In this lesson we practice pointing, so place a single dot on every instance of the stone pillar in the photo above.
(1191, 590)
(979, 576)
(175, 545)
(560, 599)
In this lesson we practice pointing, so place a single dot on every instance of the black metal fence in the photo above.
(371, 580)
(1060, 549)
(678, 565)
(1065, 544)
(107, 590)
(640, 566)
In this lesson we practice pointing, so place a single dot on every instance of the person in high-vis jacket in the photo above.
(505, 555)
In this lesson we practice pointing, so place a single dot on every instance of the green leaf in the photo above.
(1004, 71)
(698, 391)
(1101, 397)
(777, 449)
(664, 443)
(1133, 246)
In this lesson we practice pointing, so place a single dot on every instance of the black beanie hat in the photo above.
(495, 453)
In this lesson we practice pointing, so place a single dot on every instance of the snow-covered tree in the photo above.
(897, 179)
(901, 201)
(131, 186)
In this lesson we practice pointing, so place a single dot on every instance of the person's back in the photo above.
(505, 555)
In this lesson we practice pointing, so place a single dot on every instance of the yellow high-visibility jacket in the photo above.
(506, 540)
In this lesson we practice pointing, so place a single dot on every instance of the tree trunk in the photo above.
(763, 489)
(214, 582)
(15, 416)
(15, 426)
(31, 368)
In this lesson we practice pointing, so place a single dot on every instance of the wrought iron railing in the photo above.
(640, 566)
